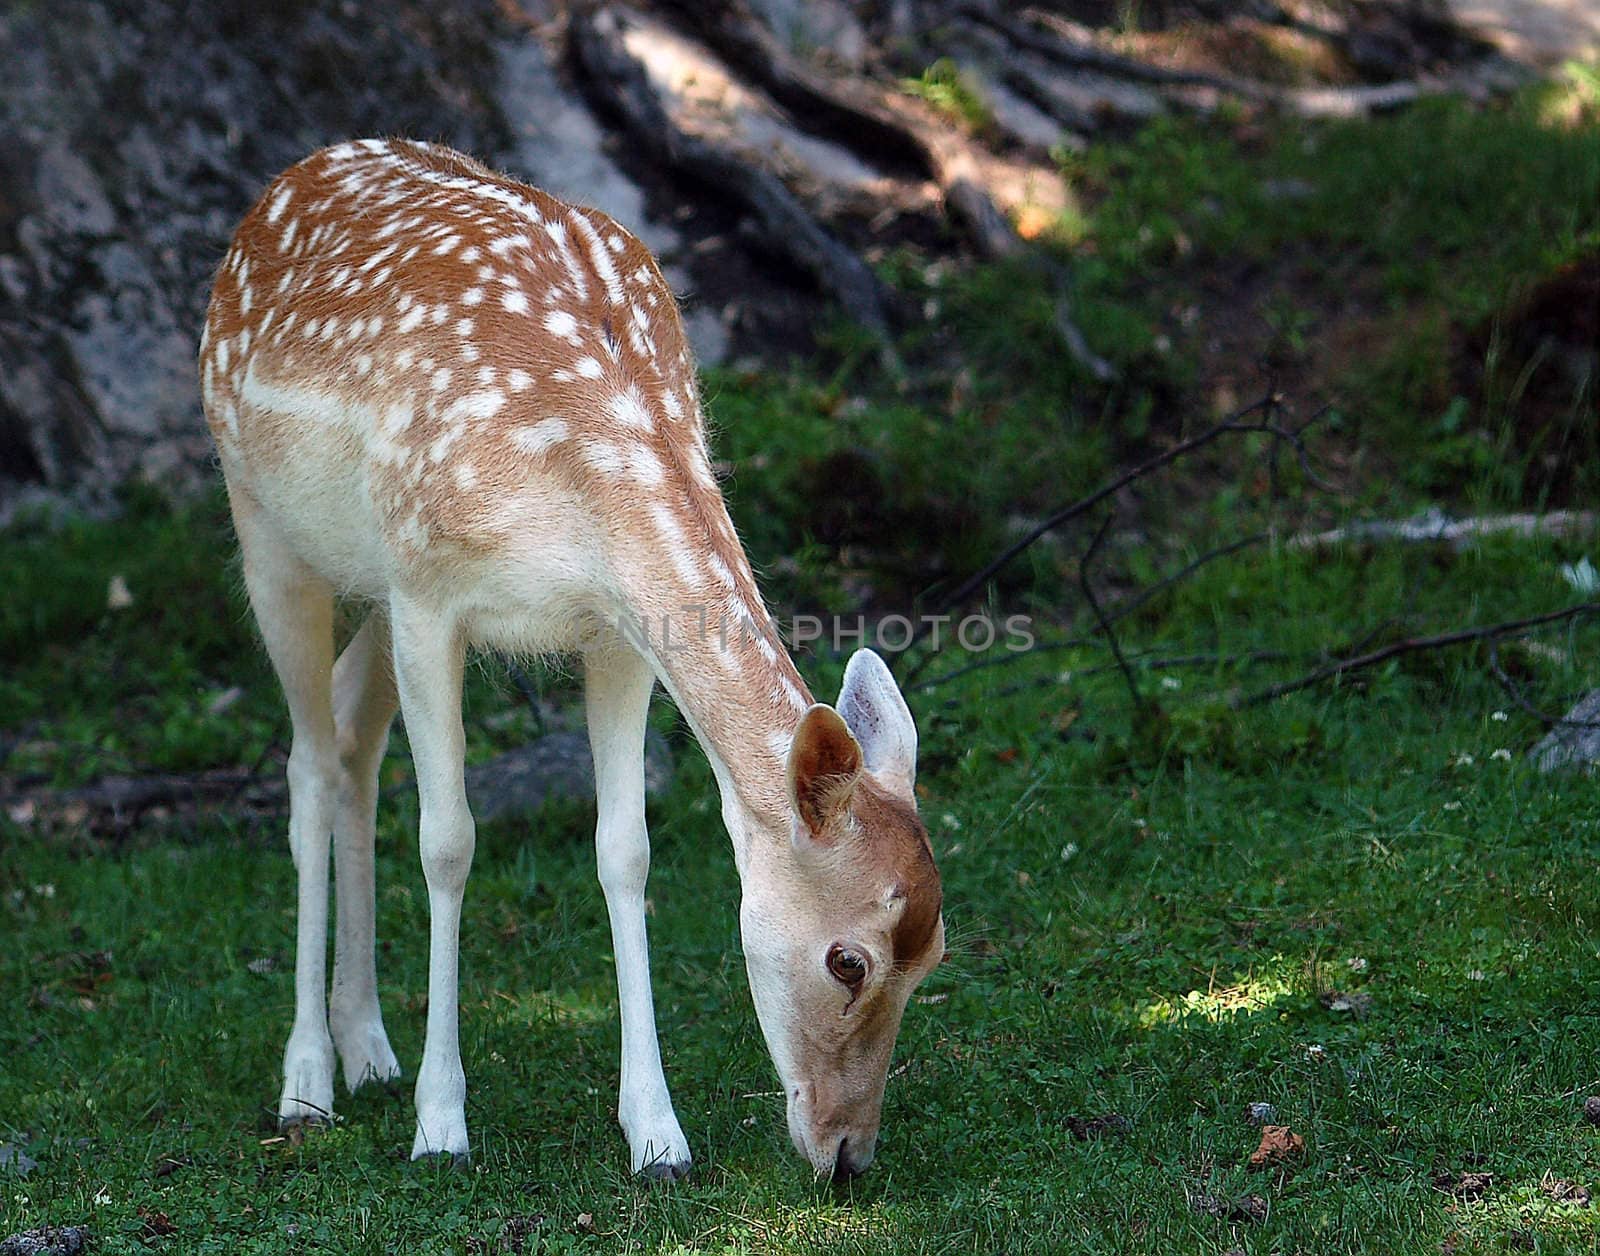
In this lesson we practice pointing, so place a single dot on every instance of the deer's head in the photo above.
(843, 921)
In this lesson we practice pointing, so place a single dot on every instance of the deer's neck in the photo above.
(704, 626)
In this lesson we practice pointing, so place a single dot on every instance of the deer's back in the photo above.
(415, 367)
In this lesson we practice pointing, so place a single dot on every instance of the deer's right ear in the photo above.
(876, 713)
(824, 764)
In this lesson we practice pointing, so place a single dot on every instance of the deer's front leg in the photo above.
(427, 661)
(619, 683)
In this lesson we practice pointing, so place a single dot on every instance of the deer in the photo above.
(470, 410)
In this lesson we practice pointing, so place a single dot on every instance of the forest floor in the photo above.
(1355, 904)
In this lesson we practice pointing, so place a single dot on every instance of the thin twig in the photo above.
(1515, 692)
(1183, 573)
(1087, 587)
(1488, 632)
(1236, 422)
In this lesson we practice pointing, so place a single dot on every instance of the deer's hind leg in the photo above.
(364, 704)
(294, 609)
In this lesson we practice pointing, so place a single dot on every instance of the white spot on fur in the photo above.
(600, 258)
(515, 302)
(587, 367)
(478, 405)
(644, 466)
(678, 551)
(519, 380)
(604, 458)
(628, 409)
(540, 436)
(561, 323)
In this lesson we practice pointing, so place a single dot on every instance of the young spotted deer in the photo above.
(472, 407)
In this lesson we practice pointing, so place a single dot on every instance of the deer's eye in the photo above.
(846, 965)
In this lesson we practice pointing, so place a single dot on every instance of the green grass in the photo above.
(1152, 909)
(1145, 912)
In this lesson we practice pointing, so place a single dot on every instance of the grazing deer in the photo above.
(472, 406)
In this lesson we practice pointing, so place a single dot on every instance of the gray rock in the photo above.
(555, 766)
(15, 1160)
(66, 1240)
(1573, 744)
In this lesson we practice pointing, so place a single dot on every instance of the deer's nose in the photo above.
(851, 1161)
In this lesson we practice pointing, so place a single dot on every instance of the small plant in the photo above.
(951, 92)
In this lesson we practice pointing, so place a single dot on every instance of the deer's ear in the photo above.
(824, 765)
(876, 714)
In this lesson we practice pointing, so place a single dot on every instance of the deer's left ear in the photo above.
(875, 712)
(824, 765)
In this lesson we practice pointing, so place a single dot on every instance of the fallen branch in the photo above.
(1519, 698)
(1434, 525)
(786, 227)
(879, 123)
(1238, 422)
(1410, 645)
(118, 802)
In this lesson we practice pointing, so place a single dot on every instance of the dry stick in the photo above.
(1515, 692)
(880, 125)
(1311, 102)
(1100, 616)
(786, 226)
(1489, 632)
(1233, 423)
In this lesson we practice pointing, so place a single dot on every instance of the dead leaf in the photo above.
(118, 595)
(1247, 1208)
(586, 1222)
(1463, 1185)
(1564, 1192)
(224, 700)
(156, 1224)
(1279, 1146)
(1111, 1125)
(1357, 1003)
(1033, 221)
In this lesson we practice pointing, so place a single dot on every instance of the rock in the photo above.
(136, 136)
(555, 766)
(15, 1160)
(1572, 744)
(67, 1240)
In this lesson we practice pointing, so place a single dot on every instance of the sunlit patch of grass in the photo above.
(1254, 992)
